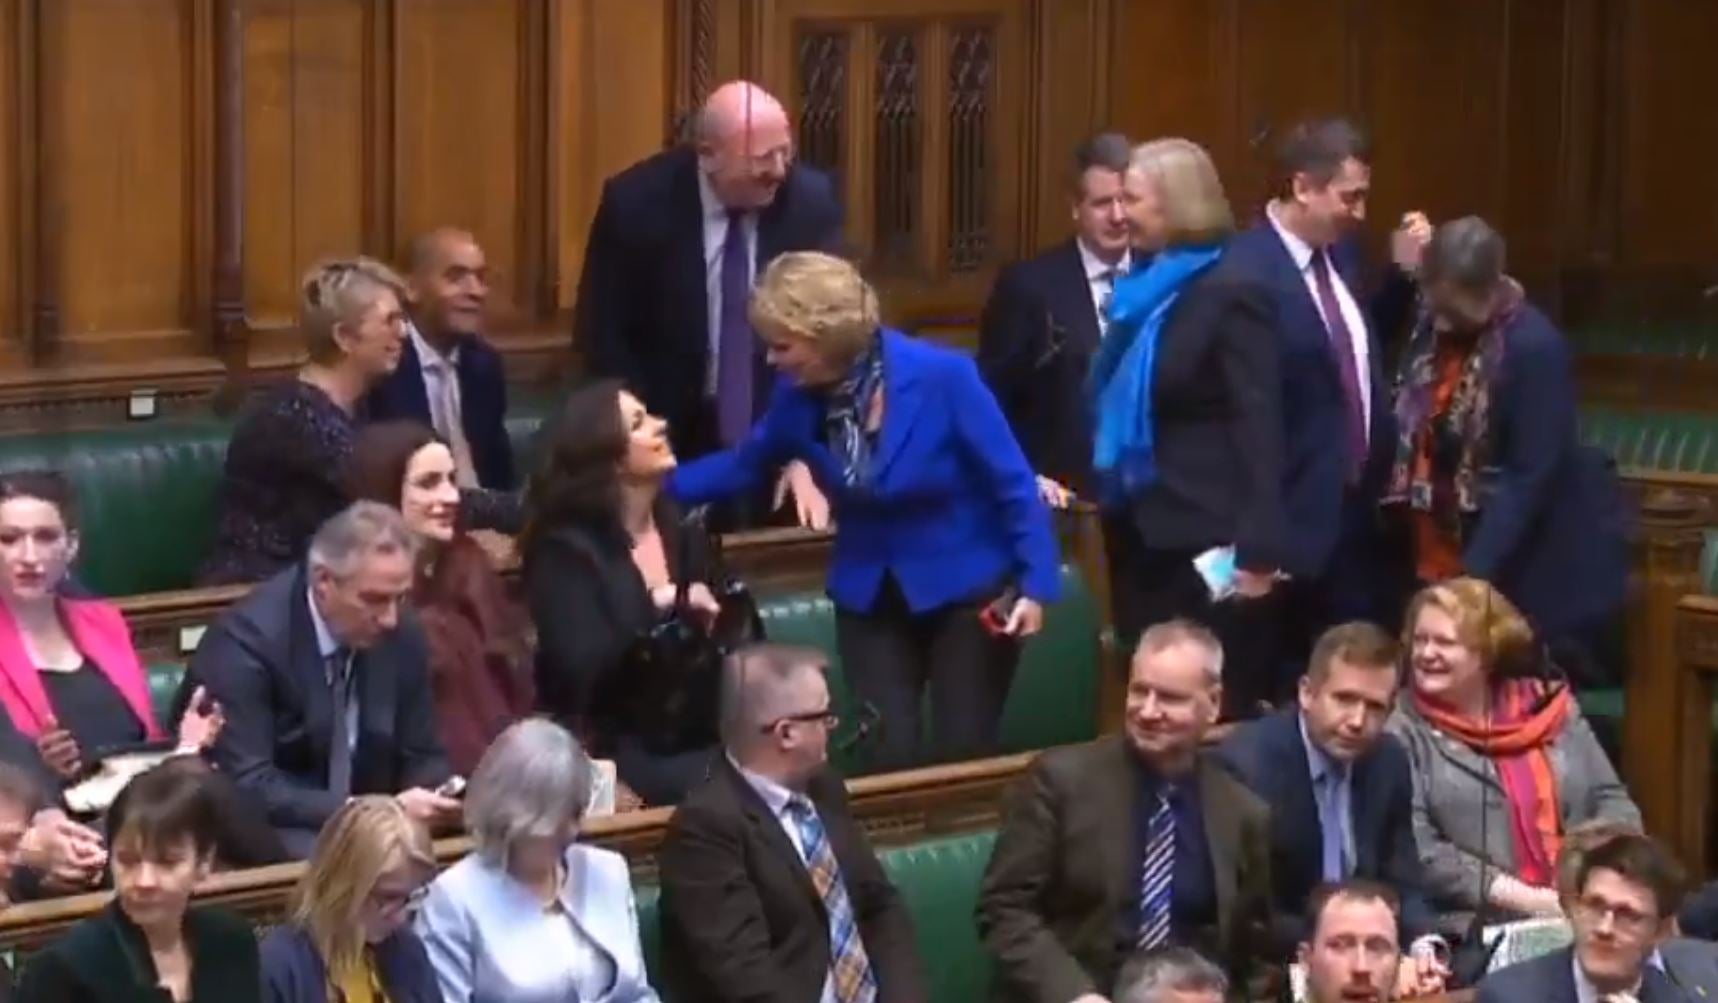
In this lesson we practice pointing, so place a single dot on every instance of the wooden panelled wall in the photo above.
(168, 168)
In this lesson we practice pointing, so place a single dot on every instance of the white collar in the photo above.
(707, 200)
(775, 794)
(1096, 267)
(326, 643)
(1586, 992)
(427, 353)
(1298, 249)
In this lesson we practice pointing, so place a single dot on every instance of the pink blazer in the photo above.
(101, 634)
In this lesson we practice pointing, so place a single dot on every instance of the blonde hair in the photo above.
(1194, 204)
(1486, 622)
(338, 291)
(367, 837)
(818, 297)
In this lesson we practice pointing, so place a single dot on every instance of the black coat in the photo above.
(104, 959)
(482, 405)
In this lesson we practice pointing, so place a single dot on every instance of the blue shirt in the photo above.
(1193, 893)
(1334, 813)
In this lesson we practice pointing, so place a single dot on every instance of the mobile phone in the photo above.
(453, 788)
(994, 616)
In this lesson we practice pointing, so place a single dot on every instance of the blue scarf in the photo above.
(1119, 385)
(849, 405)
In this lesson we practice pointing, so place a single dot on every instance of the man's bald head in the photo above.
(447, 285)
(745, 144)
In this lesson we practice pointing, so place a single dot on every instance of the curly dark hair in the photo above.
(376, 469)
(577, 476)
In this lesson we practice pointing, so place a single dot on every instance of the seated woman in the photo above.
(281, 480)
(348, 939)
(531, 916)
(1504, 764)
(944, 551)
(604, 551)
(479, 644)
(150, 943)
(1490, 477)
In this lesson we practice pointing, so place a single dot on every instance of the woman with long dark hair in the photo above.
(605, 554)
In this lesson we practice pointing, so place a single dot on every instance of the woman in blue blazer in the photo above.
(938, 517)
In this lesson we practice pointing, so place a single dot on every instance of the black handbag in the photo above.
(674, 670)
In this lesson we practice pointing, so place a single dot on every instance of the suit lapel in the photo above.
(1363, 811)
(901, 401)
(375, 688)
(1291, 753)
(1223, 833)
(410, 376)
(686, 253)
(1073, 301)
(310, 673)
(766, 827)
(1115, 822)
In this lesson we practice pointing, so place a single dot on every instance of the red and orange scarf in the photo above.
(1526, 717)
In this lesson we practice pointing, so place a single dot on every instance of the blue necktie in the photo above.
(1333, 824)
(1157, 875)
(849, 967)
(734, 336)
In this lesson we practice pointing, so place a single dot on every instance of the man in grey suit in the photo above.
(1622, 906)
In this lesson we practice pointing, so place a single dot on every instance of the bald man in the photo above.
(770, 890)
(449, 377)
(675, 245)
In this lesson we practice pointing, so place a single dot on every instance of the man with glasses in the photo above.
(677, 241)
(322, 674)
(1622, 905)
(769, 887)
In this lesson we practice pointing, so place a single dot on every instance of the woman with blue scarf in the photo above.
(938, 520)
(1188, 421)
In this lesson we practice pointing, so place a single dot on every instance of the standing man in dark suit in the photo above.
(1340, 790)
(1046, 315)
(1130, 843)
(770, 890)
(449, 377)
(322, 675)
(1623, 910)
(1331, 336)
(674, 248)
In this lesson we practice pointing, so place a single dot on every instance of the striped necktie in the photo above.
(849, 967)
(1157, 874)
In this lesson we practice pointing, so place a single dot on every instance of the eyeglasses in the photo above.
(392, 900)
(1625, 919)
(828, 718)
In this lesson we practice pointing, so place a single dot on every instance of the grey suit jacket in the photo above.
(1690, 970)
(1048, 905)
(1461, 816)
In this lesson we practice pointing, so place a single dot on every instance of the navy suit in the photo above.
(1269, 756)
(1333, 526)
(1550, 532)
(1687, 971)
(482, 405)
(951, 515)
(642, 315)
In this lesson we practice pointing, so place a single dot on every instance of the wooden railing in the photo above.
(895, 809)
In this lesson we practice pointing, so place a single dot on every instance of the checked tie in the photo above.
(1157, 875)
(849, 968)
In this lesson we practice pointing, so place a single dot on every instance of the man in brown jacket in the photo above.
(1130, 843)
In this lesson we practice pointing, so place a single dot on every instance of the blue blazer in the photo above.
(954, 510)
(1551, 532)
(293, 971)
(1315, 477)
(1269, 757)
(482, 405)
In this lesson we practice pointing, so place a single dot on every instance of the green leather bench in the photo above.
(1679, 441)
(939, 880)
(147, 492)
(1054, 699)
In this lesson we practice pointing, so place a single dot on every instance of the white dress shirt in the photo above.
(441, 380)
(1100, 280)
(1302, 252)
(715, 234)
(776, 797)
(490, 940)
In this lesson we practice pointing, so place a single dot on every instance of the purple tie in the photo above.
(734, 336)
(1342, 347)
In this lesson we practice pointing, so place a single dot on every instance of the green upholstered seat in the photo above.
(939, 880)
(146, 492)
(1682, 441)
(1054, 698)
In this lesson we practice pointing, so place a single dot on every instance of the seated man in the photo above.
(1340, 790)
(321, 672)
(1131, 842)
(1351, 952)
(1171, 975)
(449, 377)
(769, 887)
(1622, 905)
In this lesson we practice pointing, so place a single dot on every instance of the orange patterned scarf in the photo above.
(1526, 717)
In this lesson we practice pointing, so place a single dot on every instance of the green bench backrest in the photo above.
(1683, 441)
(939, 880)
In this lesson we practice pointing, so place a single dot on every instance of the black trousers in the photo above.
(892, 656)
(1168, 587)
